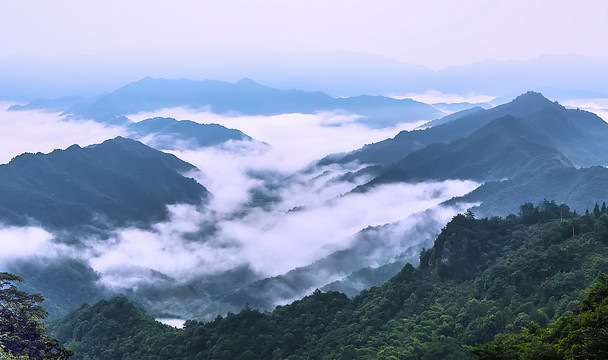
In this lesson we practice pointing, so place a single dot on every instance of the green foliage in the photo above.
(482, 278)
(601, 228)
(110, 330)
(22, 335)
(582, 335)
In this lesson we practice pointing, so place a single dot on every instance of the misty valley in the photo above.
(182, 219)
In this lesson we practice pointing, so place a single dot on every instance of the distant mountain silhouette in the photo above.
(244, 97)
(171, 134)
(118, 182)
(56, 105)
(580, 135)
(448, 118)
(460, 106)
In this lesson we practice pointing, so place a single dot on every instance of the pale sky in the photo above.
(431, 33)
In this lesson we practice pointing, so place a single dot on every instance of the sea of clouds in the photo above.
(308, 214)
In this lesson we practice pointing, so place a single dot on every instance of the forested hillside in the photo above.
(481, 278)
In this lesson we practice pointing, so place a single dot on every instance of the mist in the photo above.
(272, 209)
(305, 215)
(37, 131)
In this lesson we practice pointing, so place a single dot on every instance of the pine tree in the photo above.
(596, 210)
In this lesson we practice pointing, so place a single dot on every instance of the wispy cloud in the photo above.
(436, 96)
(597, 106)
(37, 131)
(303, 215)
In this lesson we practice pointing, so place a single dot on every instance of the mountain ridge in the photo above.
(119, 181)
(245, 97)
(526, 106)
(172, 134)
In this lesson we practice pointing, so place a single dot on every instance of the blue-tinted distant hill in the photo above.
(454, 107)
(451, 117)
(568, 75)
(116, 183)
(245, 97)
(580, 135)
(171, 134)
(56, 105)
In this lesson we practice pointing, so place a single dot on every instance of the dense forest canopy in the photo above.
(523, 278)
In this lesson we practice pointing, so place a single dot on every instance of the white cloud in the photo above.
(275, 242)
(297, 139)
(20, 242)
(29, 241)
(270, 239)
(597, 106)
(435, 96)
(37, 131)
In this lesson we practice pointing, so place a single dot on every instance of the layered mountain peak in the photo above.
(247, 82)
(118, 182)
(531, 98)
(580, 135)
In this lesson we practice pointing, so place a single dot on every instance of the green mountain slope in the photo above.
(582, 335)
(118, 182)
(481, 278)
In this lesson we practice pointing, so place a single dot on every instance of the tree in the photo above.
(603, 210)
(529, 214)
(596, 210)
(21, 332)
(601, 228)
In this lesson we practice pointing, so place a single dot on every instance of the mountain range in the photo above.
(522, 144)
(336, 73)
(529, 149)
(579, 134)
(245, 97)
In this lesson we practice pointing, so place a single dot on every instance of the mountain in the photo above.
(117, 182)
(481, 277)
(245, 97)
(56, 105)
(456, 107)
(578, 187)
(451, 117)
(338, 73)
(580, 135)
(567, 74)
(503, 148)
(171, 134)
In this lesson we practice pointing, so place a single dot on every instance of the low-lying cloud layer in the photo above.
(597, 106)
(37, 131)
(271, 211)
(435, 96)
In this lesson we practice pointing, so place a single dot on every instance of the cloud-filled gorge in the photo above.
(270, 210)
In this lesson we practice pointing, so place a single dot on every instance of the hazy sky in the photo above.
(432, 33)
